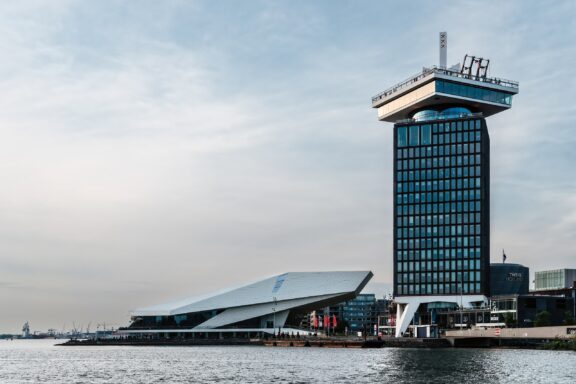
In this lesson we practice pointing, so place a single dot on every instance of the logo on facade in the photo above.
(514, 276)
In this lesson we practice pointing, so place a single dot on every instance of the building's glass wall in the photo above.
(473, 92)
(508, 279)
(360, 313)
(441, 208)
(555, 279)
(445, 114)
(188, 320)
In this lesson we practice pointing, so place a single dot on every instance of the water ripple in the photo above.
(39, 361)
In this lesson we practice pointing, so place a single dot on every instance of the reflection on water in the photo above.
(38, 361)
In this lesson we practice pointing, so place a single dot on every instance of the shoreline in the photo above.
(485, 343)
(272, 342)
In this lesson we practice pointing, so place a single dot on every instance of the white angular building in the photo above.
(277, 303)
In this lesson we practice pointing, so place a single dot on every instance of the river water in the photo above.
(39, 361)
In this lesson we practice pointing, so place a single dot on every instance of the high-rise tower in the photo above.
(442, 183)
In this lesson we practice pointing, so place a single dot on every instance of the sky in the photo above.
(151, 150)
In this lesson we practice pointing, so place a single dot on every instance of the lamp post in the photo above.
(461, 305)
(573, 288)
(274, 312)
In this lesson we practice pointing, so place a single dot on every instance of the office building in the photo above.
(509, 279)
(441, 218)
(361, 313)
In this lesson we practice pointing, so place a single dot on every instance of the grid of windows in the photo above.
(440, 172)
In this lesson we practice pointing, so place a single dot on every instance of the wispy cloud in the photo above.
(187, 146)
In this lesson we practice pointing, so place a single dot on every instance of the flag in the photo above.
(326, 321)
(314, 320)
(334, 322)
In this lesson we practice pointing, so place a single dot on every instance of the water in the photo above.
(39, 361)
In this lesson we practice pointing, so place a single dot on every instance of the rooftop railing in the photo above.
(442, 71)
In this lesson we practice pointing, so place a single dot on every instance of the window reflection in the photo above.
(473, 92)
(402, 137)
(438, 208)
(414, 135)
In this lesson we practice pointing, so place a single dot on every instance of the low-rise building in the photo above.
(531, 310)
(276, 304)
(555, 279)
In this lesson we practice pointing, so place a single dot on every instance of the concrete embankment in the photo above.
(510, 337)
(323, 342)
(360, 343)
(163, 342)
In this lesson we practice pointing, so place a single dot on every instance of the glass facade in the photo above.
(508, 279)
(441, 207)
(555, 279)
(360, 313)
(473, 92)
(448, 113)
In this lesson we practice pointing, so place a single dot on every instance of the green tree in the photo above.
(509, 320)
(568, 318)
(542, 319)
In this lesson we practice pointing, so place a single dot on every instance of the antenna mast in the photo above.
(443, 49)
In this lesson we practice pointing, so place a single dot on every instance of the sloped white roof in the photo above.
(236, 314)
(287, 286)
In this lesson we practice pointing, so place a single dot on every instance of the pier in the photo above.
(315, 342)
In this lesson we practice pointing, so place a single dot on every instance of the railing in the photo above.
(403, 84)
(442, 71)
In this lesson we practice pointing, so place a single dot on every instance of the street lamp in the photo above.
(461, 299)
(573, 288)
(274, 312)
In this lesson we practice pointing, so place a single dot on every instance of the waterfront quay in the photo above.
(317, 342)
(510, 337)
(373, 342)
(467, 338)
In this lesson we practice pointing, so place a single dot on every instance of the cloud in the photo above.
(178, 148)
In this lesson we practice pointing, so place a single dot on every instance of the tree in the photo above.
(568, 318)
(542, 319)
(509, 320)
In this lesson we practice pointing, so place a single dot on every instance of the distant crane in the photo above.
(26, 331)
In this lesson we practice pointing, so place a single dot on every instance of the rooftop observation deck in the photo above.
(435, 88)
(429, 73)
